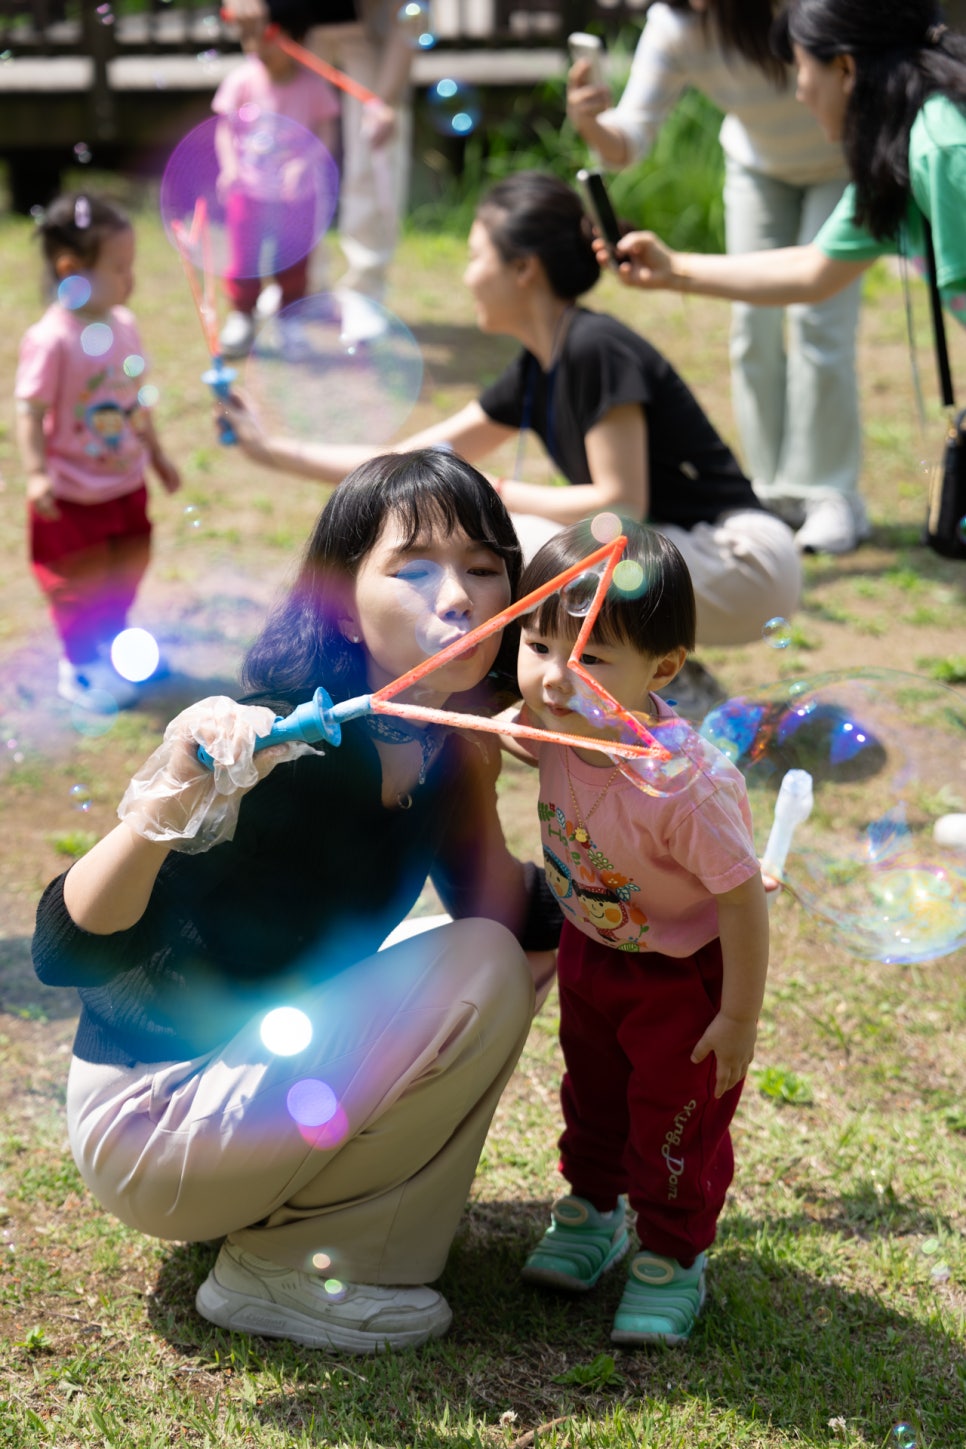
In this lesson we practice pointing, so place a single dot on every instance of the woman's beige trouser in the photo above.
(410, 1051)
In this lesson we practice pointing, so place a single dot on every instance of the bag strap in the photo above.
(938, 327)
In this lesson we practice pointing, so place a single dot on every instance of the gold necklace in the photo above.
(581, 833)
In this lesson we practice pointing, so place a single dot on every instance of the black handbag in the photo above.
(945, 531)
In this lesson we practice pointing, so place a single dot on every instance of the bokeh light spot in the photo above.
(80, 798)
(286, 1031)
(96, 339)
(74, 292)
(135, 654)
(311, 1102)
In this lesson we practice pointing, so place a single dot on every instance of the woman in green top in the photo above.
(887, 79)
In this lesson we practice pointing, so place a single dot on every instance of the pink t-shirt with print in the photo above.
(75, 367)
(306, 98)
(643, 873)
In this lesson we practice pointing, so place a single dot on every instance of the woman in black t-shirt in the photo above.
(615, 417)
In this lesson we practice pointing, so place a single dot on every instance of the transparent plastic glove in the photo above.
(174, 799)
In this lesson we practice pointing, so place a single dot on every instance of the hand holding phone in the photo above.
(583, 46)
(600, 210)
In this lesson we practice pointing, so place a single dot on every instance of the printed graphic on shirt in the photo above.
(589, 888)
(102, 423)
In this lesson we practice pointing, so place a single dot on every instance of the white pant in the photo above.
(744, 567)
(375, 181)
(414, 1045)
(793, 382)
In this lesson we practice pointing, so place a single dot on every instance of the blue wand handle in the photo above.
(220, 378)
(315, 722)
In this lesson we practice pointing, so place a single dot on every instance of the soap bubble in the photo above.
(74, 292)
(191, 514)
(96, 716)
(961, 530)
(309, 377)
(96, 339)
(904, 1436)
(282, 202)
(135, 654)
(83, 154)
(454, 108)
(286, 1031)
(80, 798)
(148, 395)
(133, 365)
(578, 596)
(777, 633)
(414, 17)
(887, 756)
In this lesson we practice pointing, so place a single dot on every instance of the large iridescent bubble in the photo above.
(269, 215)
(887, 755)
(311, 378)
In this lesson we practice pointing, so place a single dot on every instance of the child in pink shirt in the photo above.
(259, 203)
(85, 440)
(663, 954)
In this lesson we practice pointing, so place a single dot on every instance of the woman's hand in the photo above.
(585, 101)
(234, 411)
(176, 800)
(642, 260)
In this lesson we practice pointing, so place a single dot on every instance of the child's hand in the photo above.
(40, 493)
(243, 423)
(733, 1044)
(167, 472)
(378, 123)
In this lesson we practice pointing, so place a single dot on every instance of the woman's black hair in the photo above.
(744, 28)
(650, 607)
(903, 53)
(80, 223)
(534, 214)
(301, 646)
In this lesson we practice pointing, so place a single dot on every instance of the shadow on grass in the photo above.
(778, 1343)
(21, 994)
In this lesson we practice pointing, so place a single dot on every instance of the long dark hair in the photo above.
(744, 27)
(301, 646)
(903, 53)
(534, 214)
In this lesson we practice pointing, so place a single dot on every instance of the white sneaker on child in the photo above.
(237, 335)
(95, 685)
(834, 524)
(251, 1295)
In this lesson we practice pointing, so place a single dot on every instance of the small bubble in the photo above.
(311, 1103)
(133, 365)
(578, 595)
(961, 530)
(930, 1246)
(83, 153)
(335, 1289)
(454, 108)
(148, 395)
(80, 797)
(904, 1436)
(5, 56)
(96, 339)
(135, 654)
(940, 1273)
(321, 1261)
(192, 516)
(777, 633)
(74, 292)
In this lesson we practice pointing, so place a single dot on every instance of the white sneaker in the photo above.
(269, 300)
(96, 686)
(833, 524)
(237, 335)
(251, 1295)
(363, 320)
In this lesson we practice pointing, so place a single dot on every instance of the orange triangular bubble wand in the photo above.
(218, 377)
(320, 720)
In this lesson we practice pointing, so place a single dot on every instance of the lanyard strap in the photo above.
(938, 327)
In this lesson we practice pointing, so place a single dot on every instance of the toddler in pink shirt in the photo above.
(664, 949)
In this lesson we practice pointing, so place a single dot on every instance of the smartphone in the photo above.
(600, 209)
(583, 46)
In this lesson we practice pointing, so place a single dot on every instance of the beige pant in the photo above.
(744, 567)
(412, 1047)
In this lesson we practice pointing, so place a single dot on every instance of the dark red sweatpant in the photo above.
(641, 1119)
(89, 563)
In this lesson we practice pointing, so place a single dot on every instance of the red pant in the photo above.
(89, 563)
(252, 226)
(640, 1118)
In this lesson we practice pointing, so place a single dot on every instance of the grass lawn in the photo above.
(838, 1282)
